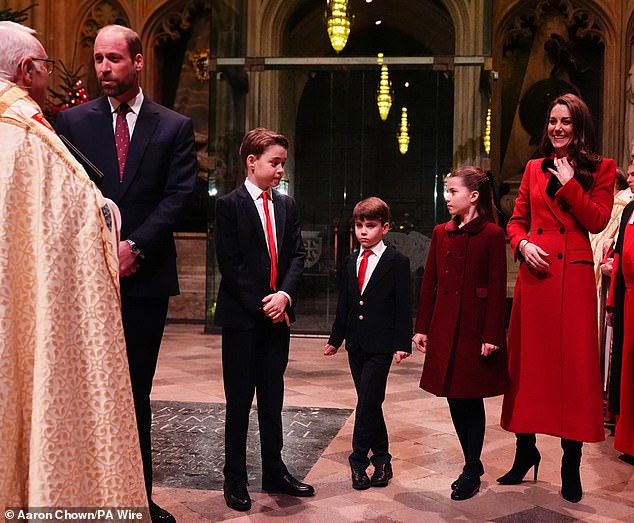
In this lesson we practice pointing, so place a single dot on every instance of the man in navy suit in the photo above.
(146, 153)
(261, 258)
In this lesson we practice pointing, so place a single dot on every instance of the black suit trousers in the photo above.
(143, 325)
(254, 362)
(369, 373)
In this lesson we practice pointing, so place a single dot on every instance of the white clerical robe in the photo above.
(67, 425)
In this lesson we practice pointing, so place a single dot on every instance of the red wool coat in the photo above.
(462, 304)
(554, 370)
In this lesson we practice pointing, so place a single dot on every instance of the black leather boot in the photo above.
(571, 489)
(526, 457)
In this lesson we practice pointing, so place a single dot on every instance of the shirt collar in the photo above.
(254, 191)
(377, 249)
(134, 103)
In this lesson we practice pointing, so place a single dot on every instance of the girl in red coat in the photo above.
(460, 323)
(555, 385)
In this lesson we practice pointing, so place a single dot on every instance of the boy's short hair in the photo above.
(372, 208)
(256, 141)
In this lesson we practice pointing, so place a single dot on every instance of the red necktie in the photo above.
(362, 268)
(122, 137)
(271, 240)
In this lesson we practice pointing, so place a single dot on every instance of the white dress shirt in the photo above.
(373, 260)
(131, 116)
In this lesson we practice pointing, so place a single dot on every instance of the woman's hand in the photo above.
(400, 355)
(535, 257)
(563, 170)
(420, 342)
(607, 267)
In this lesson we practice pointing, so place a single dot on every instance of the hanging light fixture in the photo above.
(337, 23)
(384, 91)
(486, 139)
(403, 134)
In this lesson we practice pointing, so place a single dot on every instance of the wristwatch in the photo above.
(134, 249)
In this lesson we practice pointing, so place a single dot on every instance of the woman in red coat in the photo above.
(460, 323)
(555, 385)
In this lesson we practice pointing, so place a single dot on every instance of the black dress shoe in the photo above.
(382, 475)
(465, 488)
(455, 483)
(160, 515)
(287, 484)
(360, 480)
(236, 496)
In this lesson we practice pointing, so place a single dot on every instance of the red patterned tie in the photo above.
(362, 268)
(122, 137)
(271, 241)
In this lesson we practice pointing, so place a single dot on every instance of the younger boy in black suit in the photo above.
(374, 317)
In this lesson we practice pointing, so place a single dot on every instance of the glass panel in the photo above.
(341, 152)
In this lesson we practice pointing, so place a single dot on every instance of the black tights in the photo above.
(469, 421)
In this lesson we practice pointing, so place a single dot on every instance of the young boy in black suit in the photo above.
(374, 317)
(261, 258)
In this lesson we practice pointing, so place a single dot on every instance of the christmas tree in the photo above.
(72, 93)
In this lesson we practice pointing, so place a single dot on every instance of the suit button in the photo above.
(562, 230)
(457, 293)
(539, 231)
(447, 273)
(361, 317)
(361, 303)
(560, 256)
(448, 253)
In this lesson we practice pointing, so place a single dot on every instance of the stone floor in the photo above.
(426, 454)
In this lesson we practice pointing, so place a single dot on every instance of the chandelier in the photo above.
(337, 23)
(402, 136)
(486, 139)
(384, 91)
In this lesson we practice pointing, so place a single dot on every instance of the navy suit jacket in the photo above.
(380, 319)
(244, 260)
(159, 178)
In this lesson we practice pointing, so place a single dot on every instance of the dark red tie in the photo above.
(363, 267)
(271, 239)
(122, 137)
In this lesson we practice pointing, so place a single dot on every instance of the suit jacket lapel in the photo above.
(352, 271)
(146, 123)
(252, 213)
(280, 219)
(381, 269)
(104, 140)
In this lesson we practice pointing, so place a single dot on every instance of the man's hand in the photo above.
(329, 350)
(275, 307)
(127, 261)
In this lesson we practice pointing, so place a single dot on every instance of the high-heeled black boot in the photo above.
(571, 489)
(526, 457)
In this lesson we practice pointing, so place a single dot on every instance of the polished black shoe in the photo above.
(382, 475)
(466, 487)
(160, 515)
(360, 480)
(236, 496)
(287, 484)
(455, 483)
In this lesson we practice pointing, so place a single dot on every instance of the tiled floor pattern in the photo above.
(426, 453)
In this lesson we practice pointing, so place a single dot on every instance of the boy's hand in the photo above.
(420, 342)
(400, 355)
(488, 348)
(275, 307)
(329, 350)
